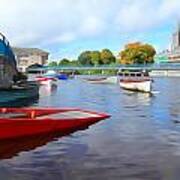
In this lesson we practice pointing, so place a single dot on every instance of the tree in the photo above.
(95, 58)
(137, 53)
(107, 57)
(85, 58)
(52, 64)
(74, 63)
(64, 62)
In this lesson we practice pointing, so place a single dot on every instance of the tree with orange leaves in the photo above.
(137, 53)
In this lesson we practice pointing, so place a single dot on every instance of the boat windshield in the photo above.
(127, 73)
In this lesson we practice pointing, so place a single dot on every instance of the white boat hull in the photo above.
(112, 79)
(143, 86)
(108, 80)
(48, 83)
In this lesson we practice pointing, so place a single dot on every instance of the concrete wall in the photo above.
(167, 73)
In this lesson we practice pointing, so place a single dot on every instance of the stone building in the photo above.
(29, 56)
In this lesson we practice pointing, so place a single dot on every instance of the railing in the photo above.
(163, 66)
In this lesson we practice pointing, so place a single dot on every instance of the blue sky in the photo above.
(67, 27)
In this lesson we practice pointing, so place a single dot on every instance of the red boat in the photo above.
(23, 122)
(49, 81)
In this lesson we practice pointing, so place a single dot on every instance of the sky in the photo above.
(65, 28)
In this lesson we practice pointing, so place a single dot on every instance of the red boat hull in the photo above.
(30, 122)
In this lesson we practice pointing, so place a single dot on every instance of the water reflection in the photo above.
(48, 90)
(139, 141)
(11, 148)
(137, 98)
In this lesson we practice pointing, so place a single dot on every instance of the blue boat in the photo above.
(62, 76)
(8, 67)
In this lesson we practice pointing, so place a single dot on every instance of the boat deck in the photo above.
(41, 114)
(69, 115)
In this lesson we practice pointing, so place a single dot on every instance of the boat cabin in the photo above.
(133, 73)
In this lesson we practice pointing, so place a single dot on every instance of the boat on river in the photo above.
(62, 76)
(24, 122)
(19, 94)
(103, 80)
(8, 66)
(135, 81)
(48, 81)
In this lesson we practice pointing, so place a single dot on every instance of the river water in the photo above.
(141, 140)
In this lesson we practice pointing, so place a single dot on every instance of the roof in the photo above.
(24, 51)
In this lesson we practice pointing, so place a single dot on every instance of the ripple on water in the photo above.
(140, 140)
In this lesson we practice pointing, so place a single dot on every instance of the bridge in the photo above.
(163, 69)
(162, 66)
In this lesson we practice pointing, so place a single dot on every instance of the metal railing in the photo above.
(163, 66)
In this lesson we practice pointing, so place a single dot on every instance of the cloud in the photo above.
(38, 22)
(144, 15)
(65, 37)
(92, 25)
(46, 23)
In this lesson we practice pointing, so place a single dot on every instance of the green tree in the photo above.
(74, 63)
(52, 64)
(137, 53)
(85, 58)
(107, 57)
(95, 58)
(64, 62)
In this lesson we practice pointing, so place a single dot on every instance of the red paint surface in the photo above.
(27, 124)
(41, 78)
(134, 80)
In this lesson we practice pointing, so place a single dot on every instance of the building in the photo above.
(29, 56)
(174, 53)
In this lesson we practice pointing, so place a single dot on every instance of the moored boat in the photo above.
(103, 80)
(135, 81)
(23, 122)
(48, 81)
(8, 67)
(21, 94)
(136, 85)
(62, 76)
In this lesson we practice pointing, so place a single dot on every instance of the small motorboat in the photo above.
(23, 122)
(50, 73)
(135, 81)
(103, 80)
(48, 81)
(62, 76)
(143, 85)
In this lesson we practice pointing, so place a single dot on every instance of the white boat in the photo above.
(136, 85)
(48, 81)
(112, 79)
(135, 81)
(50, 73)
(103, 80)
